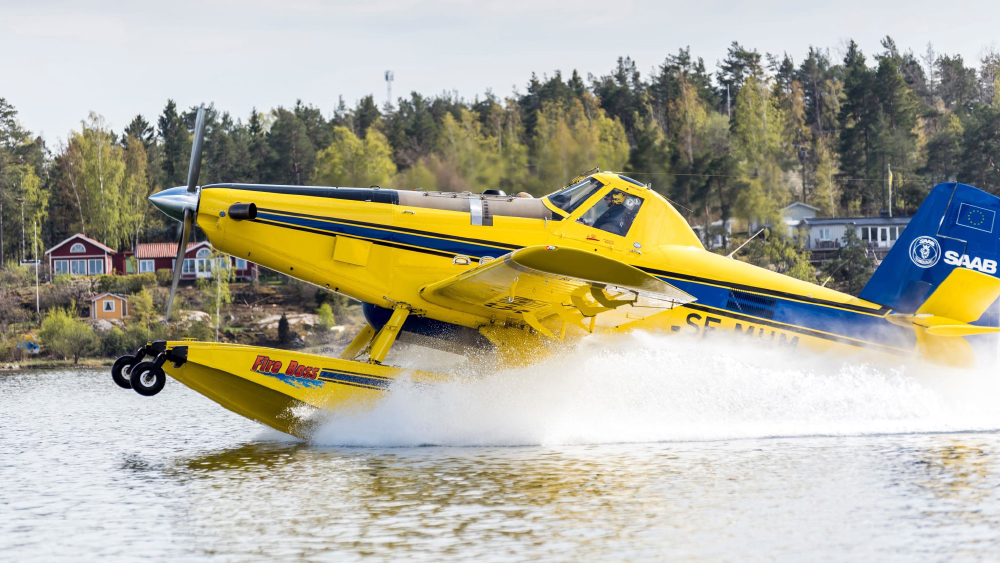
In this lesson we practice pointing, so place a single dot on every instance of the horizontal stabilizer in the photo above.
(961, 330)
(942, 320)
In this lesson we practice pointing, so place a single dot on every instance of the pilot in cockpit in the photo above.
(616, 219)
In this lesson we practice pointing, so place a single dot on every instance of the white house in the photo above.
(827, 233)
(794, 214)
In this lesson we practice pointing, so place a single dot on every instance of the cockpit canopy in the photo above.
(612, 203)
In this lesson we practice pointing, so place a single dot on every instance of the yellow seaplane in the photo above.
(518, 276)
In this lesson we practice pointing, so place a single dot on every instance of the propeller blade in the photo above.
(199, 139)
(179, 262)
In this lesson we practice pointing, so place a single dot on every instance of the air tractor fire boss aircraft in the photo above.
(517, 276)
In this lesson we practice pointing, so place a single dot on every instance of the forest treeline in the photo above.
(742, 141)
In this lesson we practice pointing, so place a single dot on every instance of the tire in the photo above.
(147, 378)
(120, 371)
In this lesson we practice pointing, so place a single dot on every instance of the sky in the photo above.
(60, 60)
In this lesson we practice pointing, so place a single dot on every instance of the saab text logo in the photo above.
(266, 365)
(925, 251)
(952, 258)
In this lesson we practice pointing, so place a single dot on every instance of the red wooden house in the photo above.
(80, 256)
(153, 256)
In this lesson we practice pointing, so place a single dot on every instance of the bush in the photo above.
(126, 284)
(67, 336)
(201, 331)
(13, 311)
(14, 275)
(164, 277)
(114, 343)
(141, 309)
(325, 318)
(8, 344)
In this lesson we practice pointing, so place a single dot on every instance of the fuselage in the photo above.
(384, 246)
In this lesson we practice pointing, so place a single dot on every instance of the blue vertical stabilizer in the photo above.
(955, 227)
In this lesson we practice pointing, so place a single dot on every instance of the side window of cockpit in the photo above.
(614, 214)
(570, 198)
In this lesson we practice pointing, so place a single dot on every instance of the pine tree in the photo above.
(176, 145)
(293, 154)
(259, 154)
(859, 115)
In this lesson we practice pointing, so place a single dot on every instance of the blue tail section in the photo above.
(955, 227)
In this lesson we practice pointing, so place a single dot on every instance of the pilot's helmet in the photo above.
(617, 197)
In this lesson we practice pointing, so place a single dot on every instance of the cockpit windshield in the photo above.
(568, 199)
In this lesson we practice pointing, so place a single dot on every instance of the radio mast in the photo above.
(389, 77)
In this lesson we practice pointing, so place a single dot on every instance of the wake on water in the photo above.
(643, 387)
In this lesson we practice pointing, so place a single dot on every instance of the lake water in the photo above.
(630, 449)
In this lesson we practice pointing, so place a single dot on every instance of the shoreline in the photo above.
(56, 364)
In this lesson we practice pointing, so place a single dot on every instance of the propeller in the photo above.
(170, 203)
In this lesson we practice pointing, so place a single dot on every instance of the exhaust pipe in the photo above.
(242, 211)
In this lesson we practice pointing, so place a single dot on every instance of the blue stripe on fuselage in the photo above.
(840, 322)
(832, 320)
(420, 241)
(354, 379)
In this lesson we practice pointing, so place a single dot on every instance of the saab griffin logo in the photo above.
(925, 251)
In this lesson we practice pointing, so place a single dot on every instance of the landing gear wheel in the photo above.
(120, 371)
(147, 378)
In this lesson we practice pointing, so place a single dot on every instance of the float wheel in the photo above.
(147, 378)
(120, 371)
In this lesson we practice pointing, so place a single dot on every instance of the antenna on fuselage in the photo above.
(731, 254)
(591, 172)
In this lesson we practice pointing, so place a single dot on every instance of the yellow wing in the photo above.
(538, 282)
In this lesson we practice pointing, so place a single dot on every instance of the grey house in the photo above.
(823, 236)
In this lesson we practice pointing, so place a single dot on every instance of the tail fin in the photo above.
(955, 227)
(942, 272)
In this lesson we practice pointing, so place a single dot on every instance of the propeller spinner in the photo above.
(181, 203)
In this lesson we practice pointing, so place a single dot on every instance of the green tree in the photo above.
(293, 154)
(135, 189)
(142, 311)
(350, 161)
(26, 205)
(418, 177)
(100, 172)
(173, 134)
(259, 154)
(215, 290)
(324, 317)
(853, 266)
(780, 254)
(981, 149)
(67, 336)
(738, 66)
(759, 124)
(573, 139)
(859, 114)
(944, 150)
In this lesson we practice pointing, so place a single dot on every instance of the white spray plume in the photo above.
(642, 387)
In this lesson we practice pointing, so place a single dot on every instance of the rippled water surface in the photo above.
(633, 454)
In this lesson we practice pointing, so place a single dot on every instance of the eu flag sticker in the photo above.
(976, 217)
